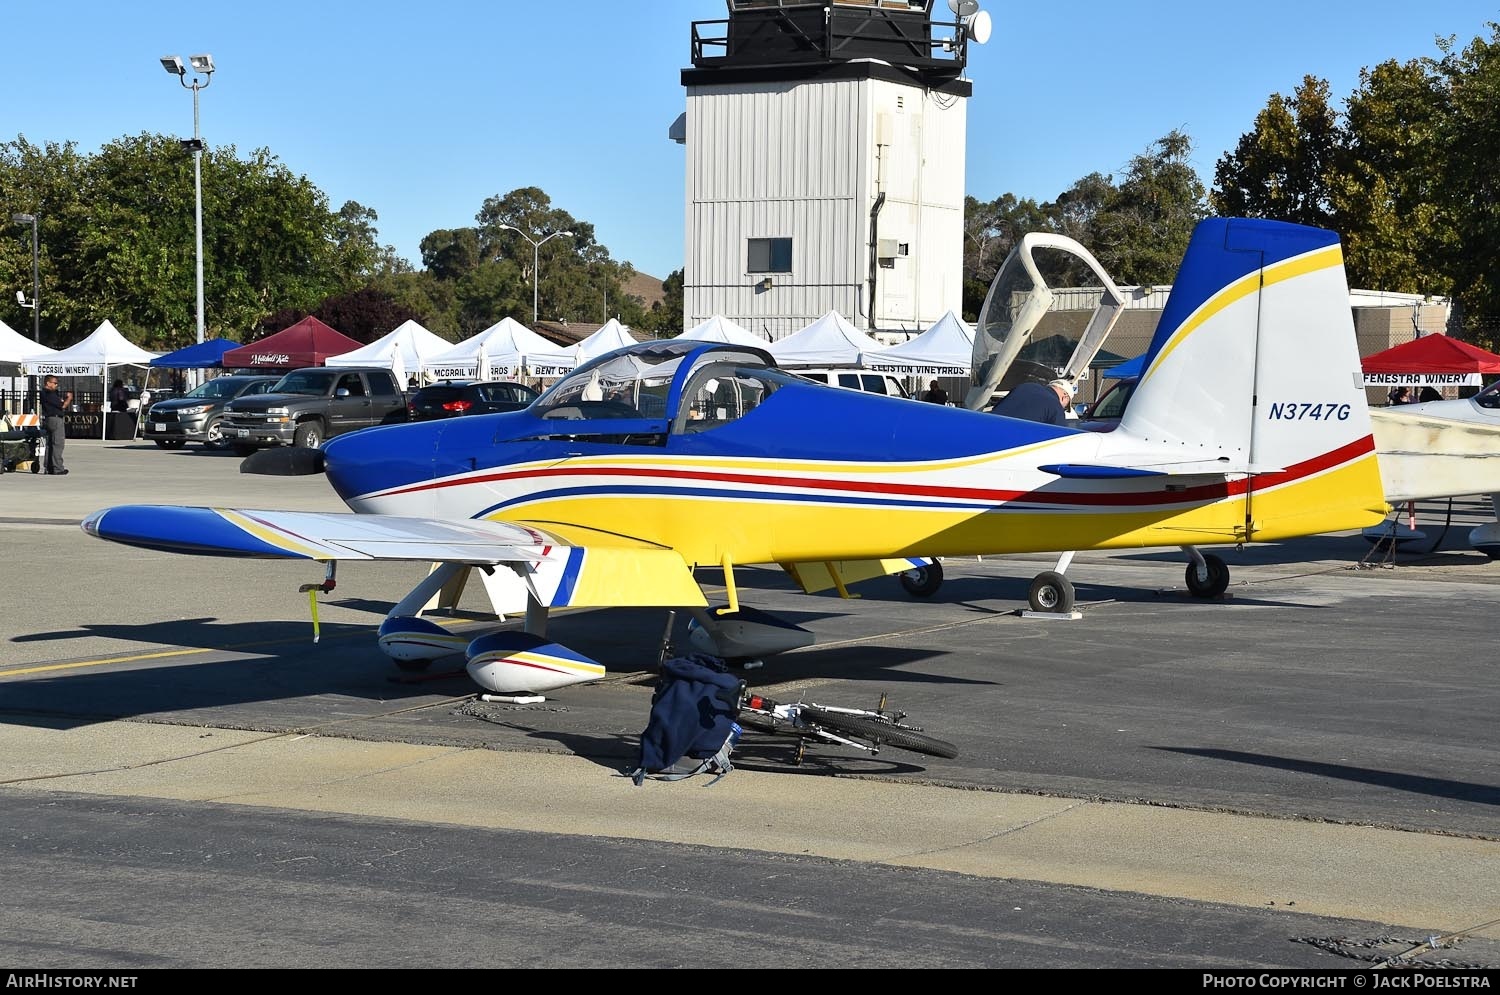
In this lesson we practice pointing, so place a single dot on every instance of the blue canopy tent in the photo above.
(1128, 370)
(199, 356)
(206, 355)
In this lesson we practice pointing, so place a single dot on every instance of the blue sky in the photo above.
(421, 111)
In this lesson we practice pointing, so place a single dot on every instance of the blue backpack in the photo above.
(693, 713)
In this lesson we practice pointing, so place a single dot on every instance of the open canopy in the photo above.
(92, 357)
(945, 349)
(1430, 361)
(205, 355)
(829, 341)
(307, 343)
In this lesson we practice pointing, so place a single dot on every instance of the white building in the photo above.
(825, 164)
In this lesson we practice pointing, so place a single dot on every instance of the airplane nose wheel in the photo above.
(923, 582)
(1215, 580)
(1051, 592)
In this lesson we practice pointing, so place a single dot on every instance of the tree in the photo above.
(1142, 231)
(1468, 143)
(664, 320)
(991, 230)
(451, 253)
(365, 314)
(1386, 178)
(1280, 169)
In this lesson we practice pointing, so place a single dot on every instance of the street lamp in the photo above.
(536, 261)
(36, 299)
(36, 280)
(202, 64)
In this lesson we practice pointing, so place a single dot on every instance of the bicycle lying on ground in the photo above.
(860, 728)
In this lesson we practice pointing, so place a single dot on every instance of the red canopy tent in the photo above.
(1432, 354)
(307, 343)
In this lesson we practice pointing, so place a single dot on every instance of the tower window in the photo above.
(770, 255)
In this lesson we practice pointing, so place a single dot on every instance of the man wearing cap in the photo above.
(1032, 401)
(54, 422)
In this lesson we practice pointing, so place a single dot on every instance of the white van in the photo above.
(870, 383)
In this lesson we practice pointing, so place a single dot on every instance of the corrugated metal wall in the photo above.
(798, 160)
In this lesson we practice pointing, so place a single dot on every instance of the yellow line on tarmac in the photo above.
(168, 654)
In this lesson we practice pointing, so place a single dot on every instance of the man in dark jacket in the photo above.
(54, 423)
(1032, 401)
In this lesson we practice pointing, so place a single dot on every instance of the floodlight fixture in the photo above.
(202, 63)
(173, 64)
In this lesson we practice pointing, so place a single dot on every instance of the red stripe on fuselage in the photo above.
(1206, 492)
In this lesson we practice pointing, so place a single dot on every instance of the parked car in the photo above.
(870, 383)
(312, 404)
(450, 398)
(197, 415)
(1104, 414)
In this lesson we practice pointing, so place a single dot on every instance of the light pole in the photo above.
(536, 261)
(203, 64)
(36, 280)
(36, 299)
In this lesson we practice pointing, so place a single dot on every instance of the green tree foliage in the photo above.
(1138, 230)
(578, 280)
(1385, 178)
(664, 320)
(1468, 144)
(991, 230)
(1141, 230)
(1280, 169)
(118, 239)
(1405, 175)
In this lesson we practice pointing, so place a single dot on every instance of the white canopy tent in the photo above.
(829, 341)
(93, 357)
(611, 336)
(944, 350)
(407, 347)
(15, 347)
(721, 329)
(507, 348)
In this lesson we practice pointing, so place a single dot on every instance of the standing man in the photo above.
(54, 422)
(935, 393)
(1032, 401)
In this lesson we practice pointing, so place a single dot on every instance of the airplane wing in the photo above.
(605, 572)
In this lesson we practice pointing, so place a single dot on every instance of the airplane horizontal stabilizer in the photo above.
(1126, 465)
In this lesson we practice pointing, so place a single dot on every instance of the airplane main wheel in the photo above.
(1051, 592)
(923, 582)
(1215, 584)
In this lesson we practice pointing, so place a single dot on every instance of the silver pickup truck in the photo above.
(310, 405)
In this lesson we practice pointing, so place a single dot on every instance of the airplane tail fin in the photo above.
(1254, 364)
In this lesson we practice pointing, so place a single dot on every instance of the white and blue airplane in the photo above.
(658, 459)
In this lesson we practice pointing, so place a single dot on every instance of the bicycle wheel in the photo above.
(880, 733)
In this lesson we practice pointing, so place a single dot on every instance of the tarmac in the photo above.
(1272, 751)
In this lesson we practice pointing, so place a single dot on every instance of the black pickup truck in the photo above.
(313, 404)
